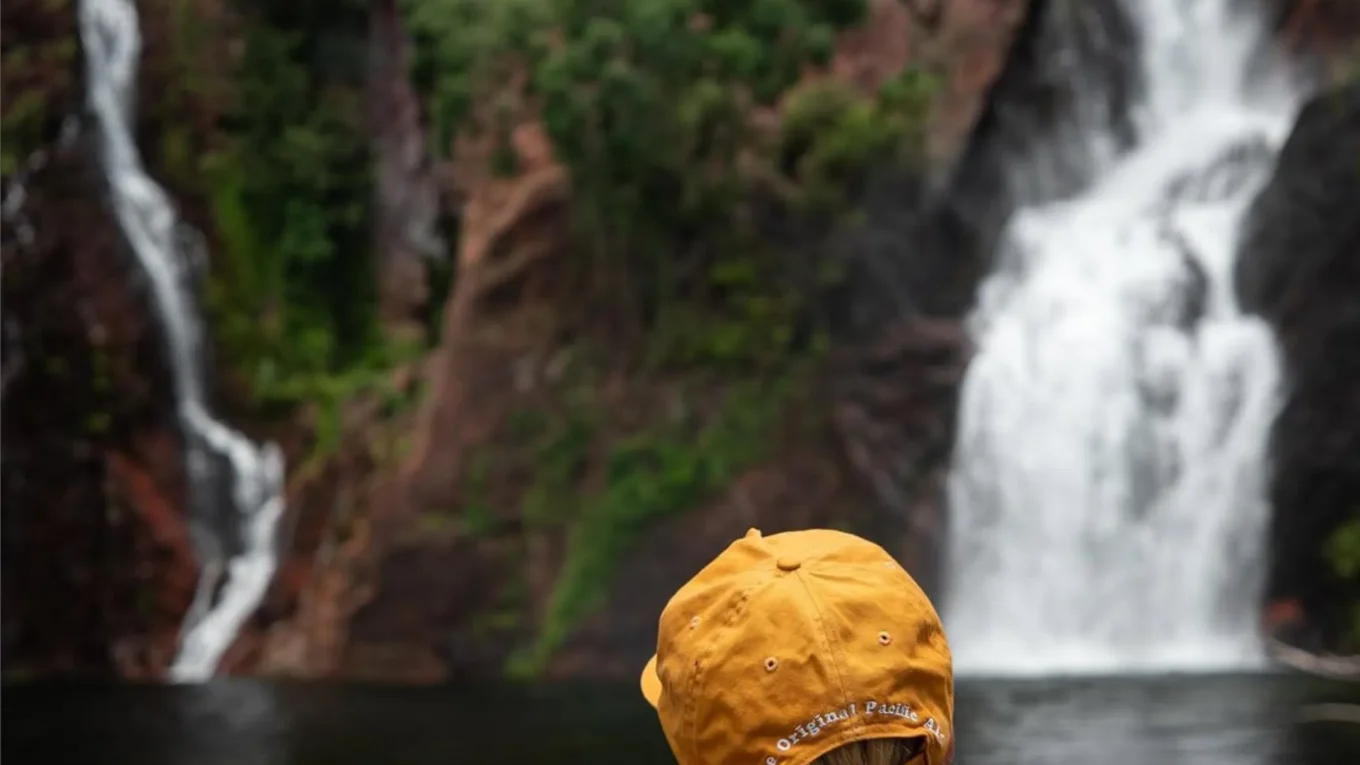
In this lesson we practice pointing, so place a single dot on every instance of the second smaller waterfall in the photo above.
(233, 536)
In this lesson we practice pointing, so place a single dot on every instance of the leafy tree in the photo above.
(650, 105)
(293, 297)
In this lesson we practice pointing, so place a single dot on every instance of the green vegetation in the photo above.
(38, 83)
(589, 473)
(649, 476)
(1343, 550)
(293, 300)
(683, 262)
(650, 105)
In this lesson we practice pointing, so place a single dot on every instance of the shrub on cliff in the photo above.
(292, 294)
(1343, 551)
(658, 110)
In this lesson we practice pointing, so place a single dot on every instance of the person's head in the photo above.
(875, 751)
(800, 648)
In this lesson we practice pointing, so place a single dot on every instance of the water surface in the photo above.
(1233, 720)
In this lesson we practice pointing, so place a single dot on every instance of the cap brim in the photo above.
(651, 683)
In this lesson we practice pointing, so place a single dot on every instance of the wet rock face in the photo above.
(1299, 267)
(1326, 33)
(95, 562)
(97, 570)
(1070, 74)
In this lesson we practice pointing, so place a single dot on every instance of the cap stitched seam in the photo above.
(689, 702)
(826, 638)
(701, 662)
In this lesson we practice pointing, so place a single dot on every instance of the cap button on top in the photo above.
(788, 564)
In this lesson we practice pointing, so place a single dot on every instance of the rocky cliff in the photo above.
(407, 556)
(1299, 267)
(511, 431)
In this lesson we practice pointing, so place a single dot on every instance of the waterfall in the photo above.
(231, 535)
(1107, 495)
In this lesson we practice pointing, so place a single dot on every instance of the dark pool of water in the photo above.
(1251, 720)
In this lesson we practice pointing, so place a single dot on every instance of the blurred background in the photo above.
(375, 370)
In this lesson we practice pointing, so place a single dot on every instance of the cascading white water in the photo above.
(1107, 494)
(111, 36)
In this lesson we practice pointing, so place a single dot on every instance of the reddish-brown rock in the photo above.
(509, 227)
(406, 199)
(97, 569)
(972, 43)
(1327, 31)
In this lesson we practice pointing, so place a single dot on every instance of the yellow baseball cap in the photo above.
(788, 646)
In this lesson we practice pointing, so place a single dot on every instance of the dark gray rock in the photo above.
(923, 246)
(1299, 267)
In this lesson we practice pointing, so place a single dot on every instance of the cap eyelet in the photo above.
(771, 664)
(693, 622)
(884, 638)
